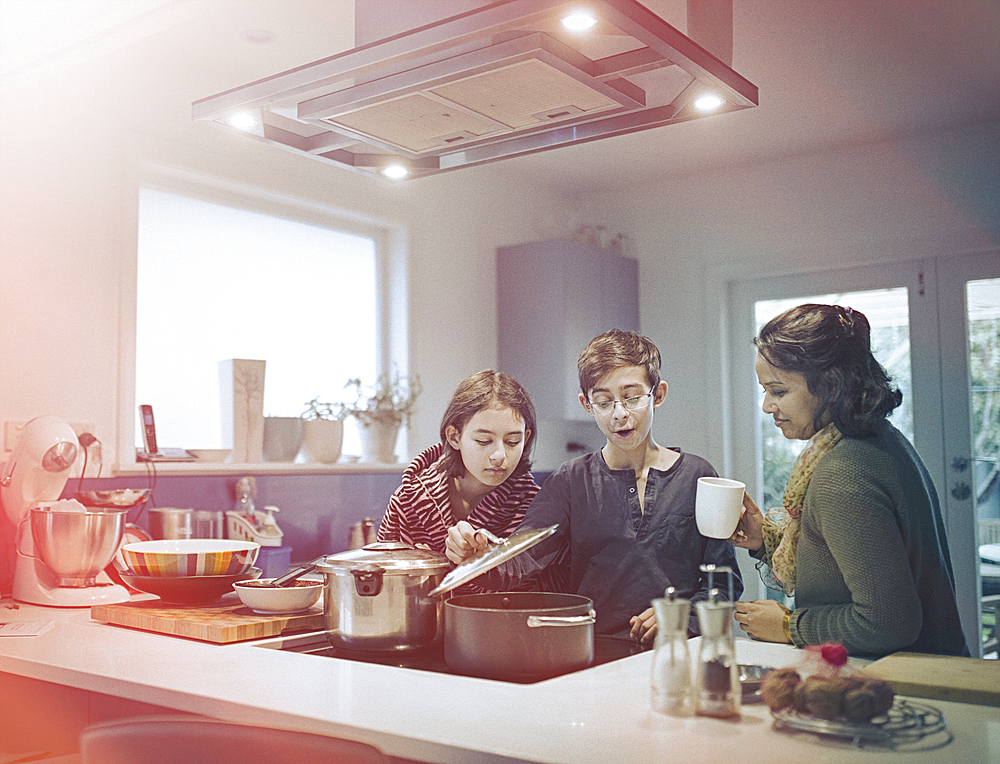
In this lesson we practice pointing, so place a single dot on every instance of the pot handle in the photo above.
(534, 621)
(19, 536)
(368, 580)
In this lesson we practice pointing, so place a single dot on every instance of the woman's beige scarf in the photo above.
(781, 524)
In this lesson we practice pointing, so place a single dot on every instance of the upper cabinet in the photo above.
(553, 297)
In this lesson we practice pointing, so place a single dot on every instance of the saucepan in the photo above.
(518, 636)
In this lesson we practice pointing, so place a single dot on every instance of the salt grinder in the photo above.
(671, 680)
(717, 686)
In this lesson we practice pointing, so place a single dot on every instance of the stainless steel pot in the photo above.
(376, 597)
(519, 636)
(181, 523)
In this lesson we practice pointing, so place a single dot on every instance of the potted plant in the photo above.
(381, 409)
(322, 431)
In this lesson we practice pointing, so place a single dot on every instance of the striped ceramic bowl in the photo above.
(190, 557)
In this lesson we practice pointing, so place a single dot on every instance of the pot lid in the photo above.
(491, 557)
(392, 556)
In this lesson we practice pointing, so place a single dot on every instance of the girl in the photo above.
(478, 472)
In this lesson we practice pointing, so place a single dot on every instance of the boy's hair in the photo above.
(483, 390)
(613, 350)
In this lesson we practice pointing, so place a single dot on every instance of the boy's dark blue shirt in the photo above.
(618, 555)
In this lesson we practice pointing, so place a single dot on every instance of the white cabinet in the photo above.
(553, 297)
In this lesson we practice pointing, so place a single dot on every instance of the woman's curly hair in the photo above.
(831, 347)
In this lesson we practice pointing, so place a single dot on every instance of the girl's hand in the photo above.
(463, 542)
(749, 532)
(762, 620)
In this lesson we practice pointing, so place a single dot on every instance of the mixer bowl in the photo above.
(76, 546)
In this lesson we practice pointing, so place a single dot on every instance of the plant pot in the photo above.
(378, 441)
(322, 440)
(282, 438)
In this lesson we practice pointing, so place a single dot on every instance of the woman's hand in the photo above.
(643, 626)
(463, 542)
(749, 533)
(762, 620)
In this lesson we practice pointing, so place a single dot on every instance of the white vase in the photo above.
(378, 442)
(322, 440)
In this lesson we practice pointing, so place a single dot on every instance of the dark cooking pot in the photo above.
(518, 635)
(376, 597)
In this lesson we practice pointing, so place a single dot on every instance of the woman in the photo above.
(861, 541)
(478, 472)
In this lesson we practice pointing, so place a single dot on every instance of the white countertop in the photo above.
(599, 715)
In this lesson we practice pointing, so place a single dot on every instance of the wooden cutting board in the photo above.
(967, 680)
(220, 622)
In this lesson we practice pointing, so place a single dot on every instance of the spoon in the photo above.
(293, 575)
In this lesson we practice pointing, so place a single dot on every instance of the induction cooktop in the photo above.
(606, 650)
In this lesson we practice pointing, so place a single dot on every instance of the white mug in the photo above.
(717, 506)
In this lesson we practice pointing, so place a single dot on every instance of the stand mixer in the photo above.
(64, 567)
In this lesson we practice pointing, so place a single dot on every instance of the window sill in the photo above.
(264, 468)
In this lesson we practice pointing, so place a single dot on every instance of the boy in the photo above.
(625, 513)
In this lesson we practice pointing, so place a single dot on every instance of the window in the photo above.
(216, 282)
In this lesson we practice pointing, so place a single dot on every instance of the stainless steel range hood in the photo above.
(494, 82)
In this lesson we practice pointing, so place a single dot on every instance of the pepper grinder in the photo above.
(671, 680)
(717, 686)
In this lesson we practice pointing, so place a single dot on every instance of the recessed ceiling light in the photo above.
(243, 121)
(259, 36)
(578, 21)
(708, 102)
(395, 171)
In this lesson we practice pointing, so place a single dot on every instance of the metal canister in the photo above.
(185, 523)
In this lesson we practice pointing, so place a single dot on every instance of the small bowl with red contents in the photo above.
(264, 598)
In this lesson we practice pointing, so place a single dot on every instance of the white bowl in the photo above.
(278, 600)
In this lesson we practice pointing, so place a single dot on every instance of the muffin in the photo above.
(822, 698)
(871, 698)
(778, 688)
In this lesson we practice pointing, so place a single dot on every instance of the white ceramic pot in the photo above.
(322, 440)
(282, 438)
(378, 442)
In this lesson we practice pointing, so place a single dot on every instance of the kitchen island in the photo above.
(598, 715)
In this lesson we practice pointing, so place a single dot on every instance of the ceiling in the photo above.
(830, 72)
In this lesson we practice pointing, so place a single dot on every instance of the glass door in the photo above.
(935, 329)
(969, 300)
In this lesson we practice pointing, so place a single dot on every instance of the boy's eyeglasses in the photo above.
(634, 403)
